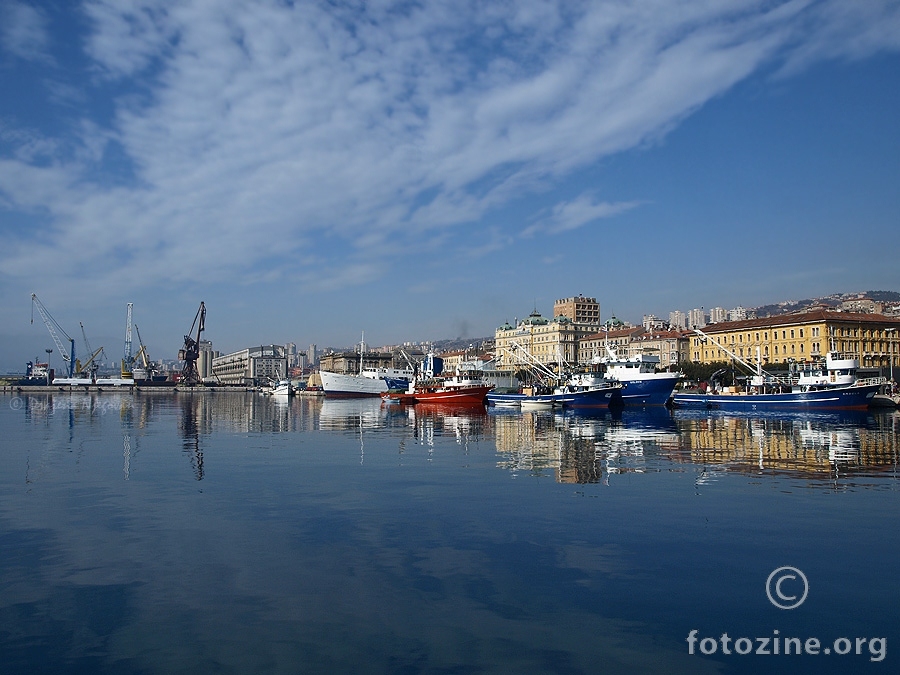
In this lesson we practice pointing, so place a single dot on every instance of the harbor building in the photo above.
(537, 338)
(671, 346)
(251, 367)
(594, 346)
(579, 310)
(205, 359)
(873, 339)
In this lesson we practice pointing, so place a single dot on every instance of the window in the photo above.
(801, 332)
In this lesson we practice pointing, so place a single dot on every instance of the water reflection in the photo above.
(292, 557)
(579, 447)
(810, 446)
(582, 446)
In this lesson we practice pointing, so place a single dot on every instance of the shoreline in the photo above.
(134, 389)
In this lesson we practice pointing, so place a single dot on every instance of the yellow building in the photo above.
(804, 336)
(535, 337)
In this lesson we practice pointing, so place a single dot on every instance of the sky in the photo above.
(427, 170)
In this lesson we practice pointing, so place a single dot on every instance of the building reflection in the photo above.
(804, 445)
(579, 447)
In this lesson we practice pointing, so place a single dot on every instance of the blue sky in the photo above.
(417, 171)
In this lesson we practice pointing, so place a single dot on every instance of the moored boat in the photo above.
(573, 394)
(828, 385)
(459, 389)
(641, 383)
(372, 382)
(368, 382)
(282, 389)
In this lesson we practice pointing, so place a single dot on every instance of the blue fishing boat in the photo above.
(828, 385)
(641, 383)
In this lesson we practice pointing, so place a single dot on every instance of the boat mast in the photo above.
(749, 366)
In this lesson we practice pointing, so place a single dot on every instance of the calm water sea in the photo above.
(230, 533)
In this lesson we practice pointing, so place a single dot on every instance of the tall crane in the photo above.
(143, 356)
(57, 333)
(91, 366)
(127, 359)
(191, 350)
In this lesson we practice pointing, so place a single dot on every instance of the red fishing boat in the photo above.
(467, 389)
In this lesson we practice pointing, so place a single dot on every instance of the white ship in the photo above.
(370, 382)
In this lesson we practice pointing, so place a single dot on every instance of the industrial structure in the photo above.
(191, 350)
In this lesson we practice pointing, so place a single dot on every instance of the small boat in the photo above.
(574, 393)
(537, 404)
(282, 389)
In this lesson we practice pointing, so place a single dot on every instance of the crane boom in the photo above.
(56, 332)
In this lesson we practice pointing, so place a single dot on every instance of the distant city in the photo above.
(574, 333)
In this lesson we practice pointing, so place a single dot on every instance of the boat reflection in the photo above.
(576, 447)
(571, 446)
(812, 446)
(581, 446)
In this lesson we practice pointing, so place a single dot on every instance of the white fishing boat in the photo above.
(282, 389)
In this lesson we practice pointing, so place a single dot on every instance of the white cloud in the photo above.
(23, 31)
(270, 127)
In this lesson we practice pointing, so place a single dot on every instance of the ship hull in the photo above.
(650, 390)
(456, 395)
(338, 385)
(835, 398)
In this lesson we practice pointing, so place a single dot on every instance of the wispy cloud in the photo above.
(338, 128)
(23, 31)
(570, 215)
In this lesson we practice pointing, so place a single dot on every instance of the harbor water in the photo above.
(238, 533)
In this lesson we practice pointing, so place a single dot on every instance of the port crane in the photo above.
(143, 356)
(127, 358)
(191, 350)
(90, 366)
(57, 333)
